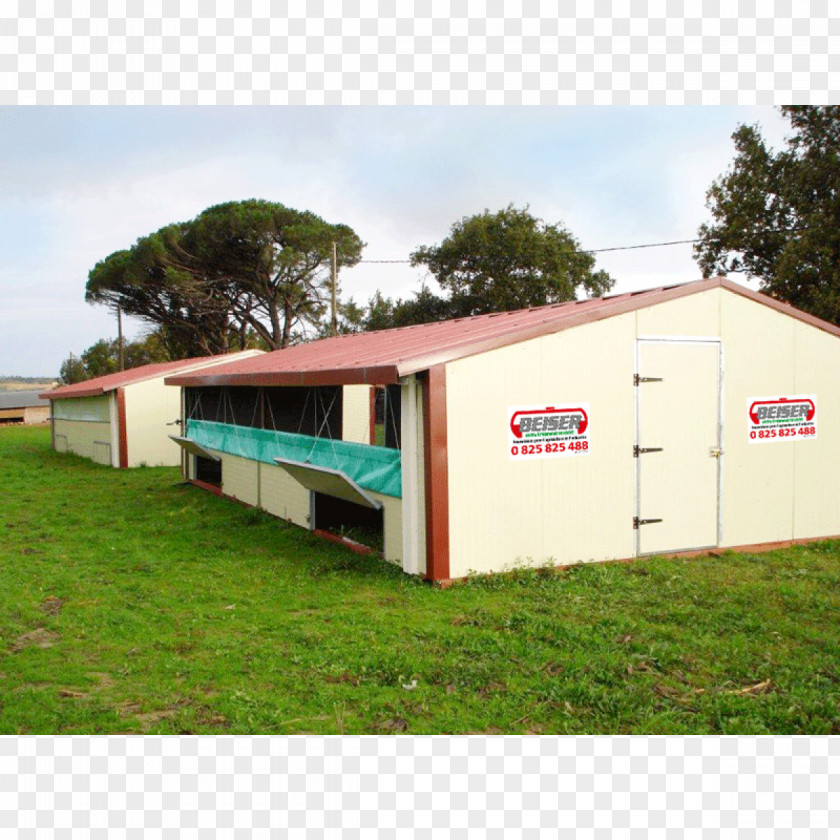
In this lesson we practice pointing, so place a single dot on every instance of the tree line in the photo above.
(257, 274)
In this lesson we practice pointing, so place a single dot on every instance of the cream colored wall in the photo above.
(578, 509)
(149, 406)
(355, 413)
(694, 315)
(391, 524)
(504, 513)
(82, 435)
(816, 510)
(240, 478)
(757, 484)
(787, 489)
(282, 496)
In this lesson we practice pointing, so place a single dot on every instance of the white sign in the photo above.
(782, 418)
(548, 431)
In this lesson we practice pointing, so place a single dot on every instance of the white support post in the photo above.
(413, 510)
(114, 421)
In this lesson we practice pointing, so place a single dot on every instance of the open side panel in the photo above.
(328, 482)
(193, 448)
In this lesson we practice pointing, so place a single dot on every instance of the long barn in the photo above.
(675, 419)
(120, 419)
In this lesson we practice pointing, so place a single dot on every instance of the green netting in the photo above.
(372, 467)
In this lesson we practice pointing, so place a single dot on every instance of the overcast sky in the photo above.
(81, 183)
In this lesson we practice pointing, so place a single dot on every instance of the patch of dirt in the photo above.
(465, 621)
(149, 719)
(491, 688)
(105, 680)
(207, 717)
(52, 605)
(344, 677)
(394, 725)
(39, 637)
(129, 708)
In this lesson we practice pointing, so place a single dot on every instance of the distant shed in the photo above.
(124, 419)
(674, 419)
(27, 407)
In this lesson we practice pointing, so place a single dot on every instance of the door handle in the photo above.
(715, 452)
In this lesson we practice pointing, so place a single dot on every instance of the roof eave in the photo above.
(620, 307)
(368, 375)
(90, 392)
(779, 306)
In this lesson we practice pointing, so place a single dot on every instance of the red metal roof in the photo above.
(103, 384)
(382, 357)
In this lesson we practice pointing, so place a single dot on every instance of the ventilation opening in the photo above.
(388, 409)
(347, 519)
(208, 471)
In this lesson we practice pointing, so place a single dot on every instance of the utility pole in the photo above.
(334, 284)
(120, 337)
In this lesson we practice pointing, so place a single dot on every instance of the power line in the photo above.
(651, 245)
(621, 247)
(584, 251)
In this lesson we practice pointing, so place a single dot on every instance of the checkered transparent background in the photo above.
(422, 52)
(425, 52)
(393, 787)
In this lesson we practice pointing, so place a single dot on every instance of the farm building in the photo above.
(675, 419)
(124, 419)
(26, 407)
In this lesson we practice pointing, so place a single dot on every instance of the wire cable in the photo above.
(618, 247)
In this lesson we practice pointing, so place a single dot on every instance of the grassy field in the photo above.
(132, 603)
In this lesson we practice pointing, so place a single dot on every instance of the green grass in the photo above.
(132, 603)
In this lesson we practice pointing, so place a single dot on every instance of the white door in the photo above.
(678, 444)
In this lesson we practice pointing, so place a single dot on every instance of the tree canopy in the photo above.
(494, 262)
(103, 358)
(239, 268)
(776, 215)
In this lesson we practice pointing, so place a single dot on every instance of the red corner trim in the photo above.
(123, 434)
(436, 468)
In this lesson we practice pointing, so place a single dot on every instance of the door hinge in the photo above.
(637, 522)
(641, 450)
(637, 379)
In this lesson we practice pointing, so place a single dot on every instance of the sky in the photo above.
(78, 183)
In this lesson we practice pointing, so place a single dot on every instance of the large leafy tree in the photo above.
(160, 283)
(776, 215)
(238, 269)
(493, 262)
(272, 264)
